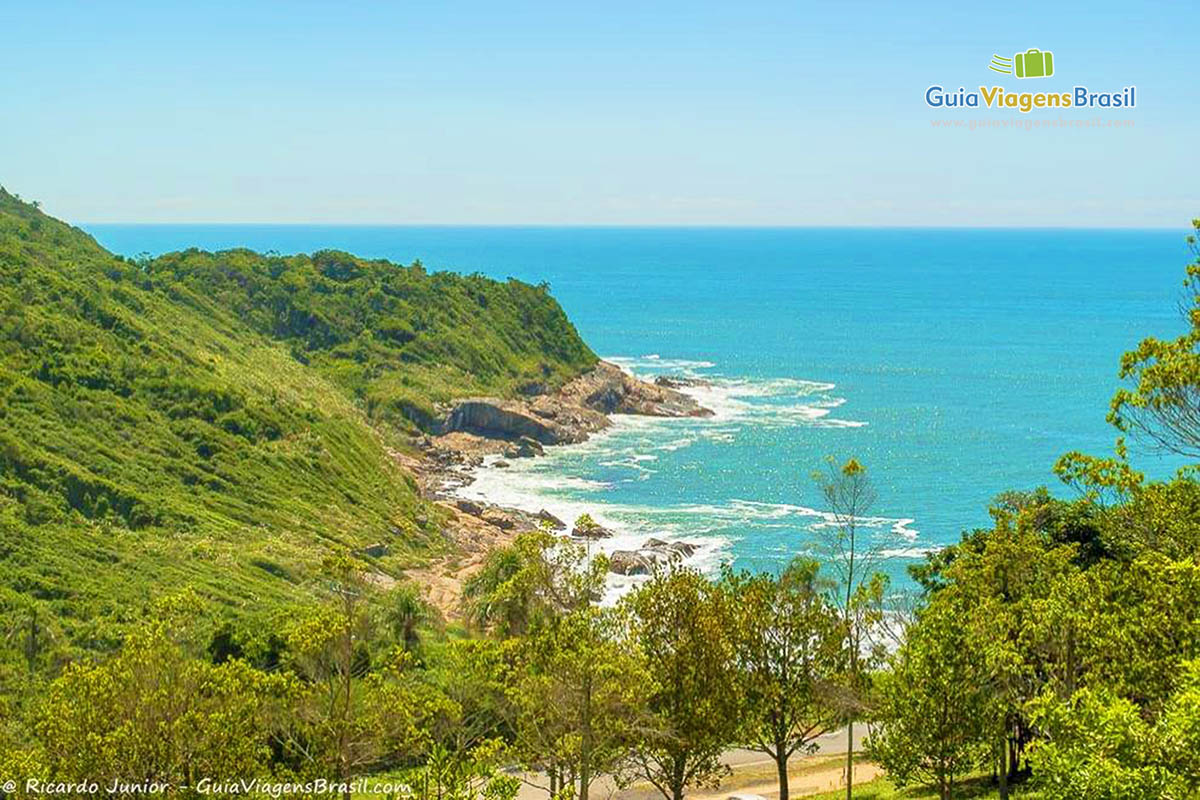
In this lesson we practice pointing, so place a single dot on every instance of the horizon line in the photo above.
(645, 226)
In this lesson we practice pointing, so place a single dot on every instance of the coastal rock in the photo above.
(585, 528)
(676, 382)
(496, 517)
(672, 551)
(554, 522)
(469, 507)
(524, 448)
(496, 419)
(567, 416)
(630, 562)
(653, 553)
(610, 390)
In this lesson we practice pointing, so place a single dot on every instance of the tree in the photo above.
(404, 612)
(931, 716)
(1163, 405)
(155, 712)
(466, 719)
(788, 645)
(536, 577)
(854, 556)
(578, 698)
(1099, 745)
(1022, 606)
(682, 622)
(346, 717)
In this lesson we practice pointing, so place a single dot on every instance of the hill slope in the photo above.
(213, 419)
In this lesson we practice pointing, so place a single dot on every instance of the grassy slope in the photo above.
(206, 420)
(396, 338)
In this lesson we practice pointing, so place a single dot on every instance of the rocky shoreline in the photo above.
(474, 429)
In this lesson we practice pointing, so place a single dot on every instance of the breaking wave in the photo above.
(636, 448)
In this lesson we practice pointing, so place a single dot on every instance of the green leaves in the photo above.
(933, 711)
(684, 625)
(1099, 745)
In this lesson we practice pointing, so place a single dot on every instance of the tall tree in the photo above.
(1003, 585)
(682, 624)
(932, 716)
(854, 552)
(347, 717)
(1163, 403)
(788, 645)
(578, 698)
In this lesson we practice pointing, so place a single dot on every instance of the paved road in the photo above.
(752, 772)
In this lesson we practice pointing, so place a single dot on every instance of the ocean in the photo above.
(954, 364)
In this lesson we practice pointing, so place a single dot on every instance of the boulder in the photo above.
(494, 419)
(555, 522)
(469, 507)
(630, 562)
(673, 550)
(527, 447)
(524, 447)
(499, 519)
(590, 530)
(377, 550)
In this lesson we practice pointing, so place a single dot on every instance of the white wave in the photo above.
(633, 446)
(656, 362)
(909, 552)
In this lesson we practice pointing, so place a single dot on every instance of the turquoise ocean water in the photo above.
(954, 364)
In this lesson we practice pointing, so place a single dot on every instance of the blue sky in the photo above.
(749, 113)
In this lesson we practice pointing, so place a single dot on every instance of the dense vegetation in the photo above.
(222, 421)
(1055, 654)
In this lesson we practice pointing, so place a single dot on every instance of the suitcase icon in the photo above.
(1034, 63)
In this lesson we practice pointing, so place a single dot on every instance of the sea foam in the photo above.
(632, 449)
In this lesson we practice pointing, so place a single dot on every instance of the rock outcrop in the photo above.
(610, 390)
(676, 382)
(570, 415)
(630, 562)
(498, 419)
(587, 529)
(652, 554)
(553, 521)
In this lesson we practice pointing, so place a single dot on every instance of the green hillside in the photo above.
(221, 420)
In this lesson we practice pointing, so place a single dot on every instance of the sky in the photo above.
(560, 113)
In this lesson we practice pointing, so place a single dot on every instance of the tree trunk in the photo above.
(585, 745)
(677, 768)
(781, 765)
(1002, 772)
(850, 760)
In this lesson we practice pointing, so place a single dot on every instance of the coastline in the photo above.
(490, 433)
